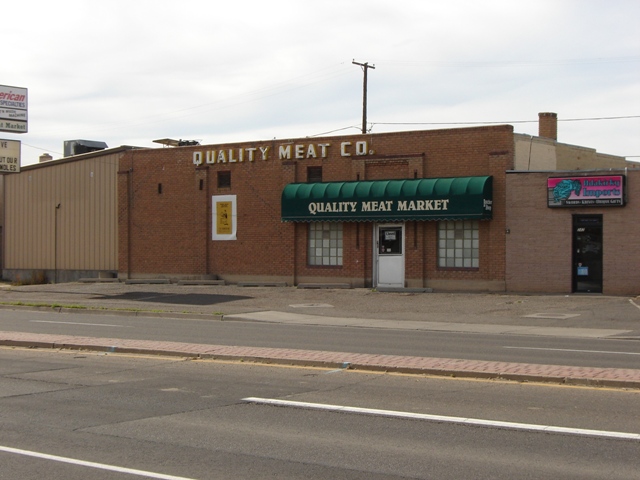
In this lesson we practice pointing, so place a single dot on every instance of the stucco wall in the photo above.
(534, 153)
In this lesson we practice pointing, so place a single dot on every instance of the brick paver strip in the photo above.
(612, 377)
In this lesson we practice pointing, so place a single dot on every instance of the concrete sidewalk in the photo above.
(545, 315)
(363, 307)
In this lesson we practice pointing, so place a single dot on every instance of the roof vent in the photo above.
(170, 142)
(78, 147)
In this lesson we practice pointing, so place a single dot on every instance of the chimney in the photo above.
(45, 157)
(548, 125)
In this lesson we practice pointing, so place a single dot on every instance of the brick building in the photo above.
(573, 231)
(440, 209)
(419, 209)
(440, 224)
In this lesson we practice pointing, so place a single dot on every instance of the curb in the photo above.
(112, 311)
(444, 367)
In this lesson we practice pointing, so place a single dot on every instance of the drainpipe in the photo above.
(55, 244)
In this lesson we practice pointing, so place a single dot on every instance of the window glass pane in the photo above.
(314, 174)
(458, 244)
(224, 179)
(325, 243)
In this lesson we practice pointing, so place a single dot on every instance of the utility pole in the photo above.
(365, 67)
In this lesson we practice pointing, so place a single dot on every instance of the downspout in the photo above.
(129, 221)
(128, 197)
(209, 219)
(295, 254)
(55, 243)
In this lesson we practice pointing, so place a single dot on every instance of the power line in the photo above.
(621, 117)
(510, 63)
(508, 121)
(40, 148)
(334, 131)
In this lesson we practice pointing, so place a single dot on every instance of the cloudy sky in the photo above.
(129, 72)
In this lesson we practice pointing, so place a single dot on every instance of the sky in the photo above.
(130, 72)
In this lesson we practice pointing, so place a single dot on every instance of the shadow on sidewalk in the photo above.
(170, 298)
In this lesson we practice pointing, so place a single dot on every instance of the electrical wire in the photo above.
(507, 122)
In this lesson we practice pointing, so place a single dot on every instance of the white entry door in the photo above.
(389, 255)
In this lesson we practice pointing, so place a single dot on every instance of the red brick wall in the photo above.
(169, 233)
(539, 245)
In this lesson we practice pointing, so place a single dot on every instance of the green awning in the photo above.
(458, 198)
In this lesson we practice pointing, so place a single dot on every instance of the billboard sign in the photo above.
(600, 191)
(13, 109)
(9, 156)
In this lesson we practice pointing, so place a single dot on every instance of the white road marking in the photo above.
(83, 463)
(634, 303)
(311, 305)
(574, 351)
(446, 419)
(78, 323)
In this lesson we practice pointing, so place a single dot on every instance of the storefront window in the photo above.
(325, 243)
(458, 244)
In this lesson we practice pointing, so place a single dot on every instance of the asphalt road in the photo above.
(608, 353)
(136, 417)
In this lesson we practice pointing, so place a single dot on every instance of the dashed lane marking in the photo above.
(446, 419)
(83, 463)
(78, 323)
(572, 350)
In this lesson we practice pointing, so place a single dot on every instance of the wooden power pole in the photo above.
(365, 67)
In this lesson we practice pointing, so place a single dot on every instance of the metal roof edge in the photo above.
(83, 156)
